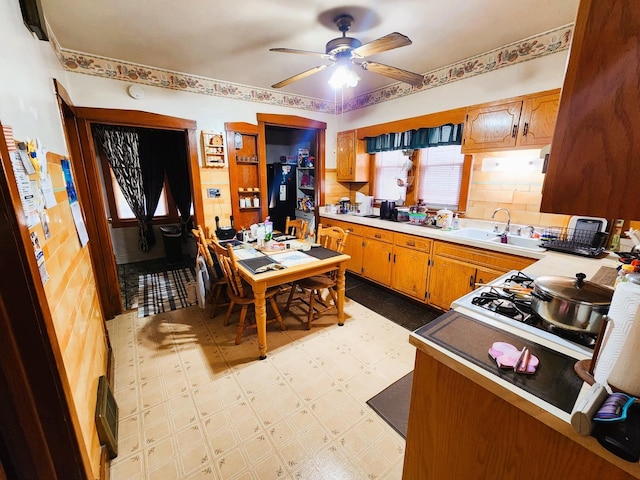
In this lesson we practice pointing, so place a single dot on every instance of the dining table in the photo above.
(284, 266)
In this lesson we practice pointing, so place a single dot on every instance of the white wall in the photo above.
(27, 97)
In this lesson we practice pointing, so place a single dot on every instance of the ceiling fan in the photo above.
(347, 50)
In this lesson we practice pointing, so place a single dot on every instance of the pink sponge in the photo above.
(506, 356)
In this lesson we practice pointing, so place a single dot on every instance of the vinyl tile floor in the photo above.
(193, 405)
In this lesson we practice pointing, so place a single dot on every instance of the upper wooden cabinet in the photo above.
(352, 161)
(593, 164)
(523, 122)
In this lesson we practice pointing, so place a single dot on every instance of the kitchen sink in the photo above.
(493, 237)
(522, 242)
(475, 234)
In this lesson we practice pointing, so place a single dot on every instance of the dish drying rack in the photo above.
(586, 243)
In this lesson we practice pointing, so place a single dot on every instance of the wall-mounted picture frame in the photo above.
(213, 151)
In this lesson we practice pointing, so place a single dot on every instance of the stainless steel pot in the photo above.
(571, 304)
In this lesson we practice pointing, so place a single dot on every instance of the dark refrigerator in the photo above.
(281, 181)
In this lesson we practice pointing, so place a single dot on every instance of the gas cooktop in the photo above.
(507, 299)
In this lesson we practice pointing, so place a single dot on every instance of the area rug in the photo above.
(392, 404)
(163, 291)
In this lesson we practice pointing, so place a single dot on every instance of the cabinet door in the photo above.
(594, 155)
(485, 275)
(346, 156)
(376, 261)
(491, 127)
(450, 280)
(354, 249)
(409, 272)
(538, 120)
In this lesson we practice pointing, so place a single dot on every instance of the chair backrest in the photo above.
(203, 249)
(333, 238)
(297, 227)
(231, 273)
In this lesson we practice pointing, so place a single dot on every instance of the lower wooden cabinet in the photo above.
(456, 270)
(376, 261)
(433, 272)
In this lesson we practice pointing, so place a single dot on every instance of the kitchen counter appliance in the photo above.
(513, 306)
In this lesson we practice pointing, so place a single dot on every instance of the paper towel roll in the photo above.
(624, 306)
(625, 374)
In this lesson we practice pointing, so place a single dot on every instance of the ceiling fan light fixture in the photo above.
(344, 76)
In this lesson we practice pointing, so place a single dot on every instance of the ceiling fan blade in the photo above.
(300, 52)
(382, 44)
(299, 76)
(411, 78)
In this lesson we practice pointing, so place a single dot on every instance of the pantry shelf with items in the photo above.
(247, 175)
(305, 185)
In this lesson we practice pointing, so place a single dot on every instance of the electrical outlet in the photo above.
(213, 193)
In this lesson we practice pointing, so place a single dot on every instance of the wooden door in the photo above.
(376, 261)
(538, 120)
(346, 155)
(449, 280)
(409, 272)
(491, 127)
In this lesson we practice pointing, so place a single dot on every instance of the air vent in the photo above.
(107, 417)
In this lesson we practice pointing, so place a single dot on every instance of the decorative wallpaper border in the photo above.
(537, 46)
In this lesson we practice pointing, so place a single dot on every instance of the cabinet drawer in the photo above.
(477, 256)
(352, 228)
(379, 234)
(411, 241)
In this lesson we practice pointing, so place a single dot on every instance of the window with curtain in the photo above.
(441, 171)
(390, 170)
(123, 210)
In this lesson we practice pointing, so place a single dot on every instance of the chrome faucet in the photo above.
(508, 225)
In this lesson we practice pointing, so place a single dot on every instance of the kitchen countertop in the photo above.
(548, 263)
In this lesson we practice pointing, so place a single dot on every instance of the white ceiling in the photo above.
(230, 40)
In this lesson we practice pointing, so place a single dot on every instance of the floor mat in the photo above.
(163, 291)
(392, 404)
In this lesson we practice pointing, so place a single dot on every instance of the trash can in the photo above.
(172, 239)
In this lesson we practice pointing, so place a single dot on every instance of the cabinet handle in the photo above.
(411, 243)
(525, 129)
(389, 257)
(377, 235)
(394, 258)
(471, 282)
(514, 131)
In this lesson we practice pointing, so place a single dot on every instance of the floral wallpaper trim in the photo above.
(537, 46)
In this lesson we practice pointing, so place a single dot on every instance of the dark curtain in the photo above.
(122, 149)
(172, 146)
(448, 134)
(152, 178)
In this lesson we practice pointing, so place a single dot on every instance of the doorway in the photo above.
(294, 151)
(78, 122)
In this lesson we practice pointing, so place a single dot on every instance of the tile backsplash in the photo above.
(511, 180)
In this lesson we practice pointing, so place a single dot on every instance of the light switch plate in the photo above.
(213, 193)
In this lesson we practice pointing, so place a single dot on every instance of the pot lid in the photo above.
(575, 289)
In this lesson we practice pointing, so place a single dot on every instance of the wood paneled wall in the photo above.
(78, 322)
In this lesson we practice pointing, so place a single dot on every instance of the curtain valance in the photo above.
(447, 134)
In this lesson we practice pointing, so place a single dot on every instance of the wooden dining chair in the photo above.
(332, 238)
(218, 282)
(296, 227)
(240, 293)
